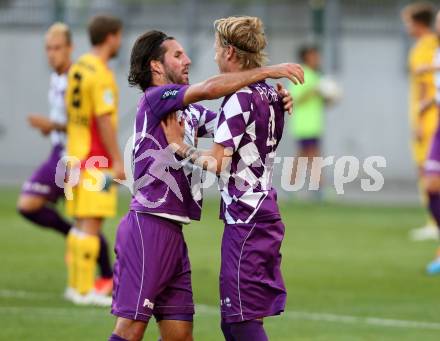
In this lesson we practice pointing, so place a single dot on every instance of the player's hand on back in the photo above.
(174, 129)
(292, 71)
(41, 123)
(287, 98)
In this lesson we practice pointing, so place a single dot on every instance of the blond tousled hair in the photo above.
(60, 28)
(246, 35)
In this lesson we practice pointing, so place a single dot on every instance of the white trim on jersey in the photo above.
(57, 111)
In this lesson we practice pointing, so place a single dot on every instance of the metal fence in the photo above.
(281, 16)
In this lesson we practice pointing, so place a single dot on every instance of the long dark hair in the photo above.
(147, 47)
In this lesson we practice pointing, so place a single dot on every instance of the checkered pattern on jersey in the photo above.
(245, 185)
(199, 122)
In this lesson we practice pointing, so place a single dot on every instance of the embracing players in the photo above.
(152, 269)
(249, 130)
(40, 192)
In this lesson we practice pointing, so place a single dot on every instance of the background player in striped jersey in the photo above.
(152, 270)
(40, 192)
(92, 106)
(249, 129)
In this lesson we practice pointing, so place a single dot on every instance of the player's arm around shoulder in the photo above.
(226, 83)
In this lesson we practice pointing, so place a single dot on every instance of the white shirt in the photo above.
(57, 113)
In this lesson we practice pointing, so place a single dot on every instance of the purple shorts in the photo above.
(251, 284)
(312, 142)
(432, 163)
(42, 181)
(152, 273)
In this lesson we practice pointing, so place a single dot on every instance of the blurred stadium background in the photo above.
(351, 272)
(364, 49)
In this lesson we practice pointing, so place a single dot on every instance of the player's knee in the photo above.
(176, 330)
(26, 204)
(130, 334)
(130, 330)
(179, 336)
(22, 206)
(90, 225)
(24, 210)
(184, 335)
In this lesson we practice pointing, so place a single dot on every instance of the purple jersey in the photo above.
(250, 123)
(163, 182)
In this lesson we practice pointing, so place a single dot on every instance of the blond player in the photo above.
(91, 101)
(418, 19)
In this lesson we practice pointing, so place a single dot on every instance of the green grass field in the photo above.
(351, 274)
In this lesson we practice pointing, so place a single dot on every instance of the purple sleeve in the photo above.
(233, 119)
(165, 99)
(207, 121)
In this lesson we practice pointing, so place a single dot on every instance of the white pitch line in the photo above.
(27, 294)
(347, 319)
(373, 321)
(56, 311)
(212, 311)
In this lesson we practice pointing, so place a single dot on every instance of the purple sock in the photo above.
(248, 331)
(47, 217)
(226, 329)
(104, 258)
(115, 337)
(434, 206)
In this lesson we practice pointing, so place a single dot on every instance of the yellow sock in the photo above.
(71, 244)
(86, 258)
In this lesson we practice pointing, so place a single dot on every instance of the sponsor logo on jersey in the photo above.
(226, 302)
(172, 93)
(148, 304)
